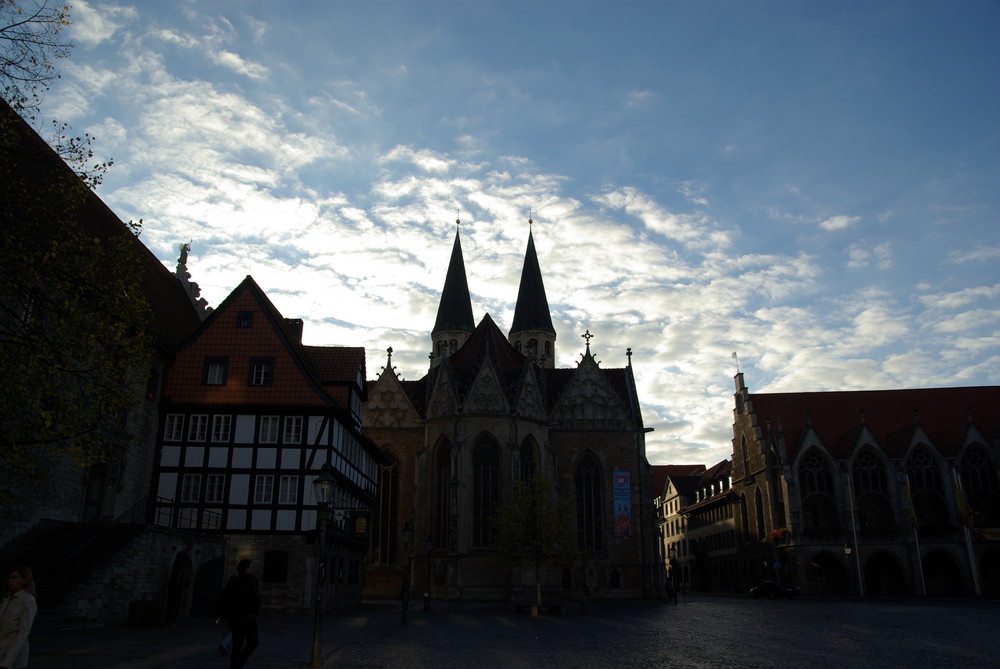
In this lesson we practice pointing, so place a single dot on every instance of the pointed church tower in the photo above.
(454, 321)
(532, 333)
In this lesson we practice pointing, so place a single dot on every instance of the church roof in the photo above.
(486, 342)
(455, 309)
(839, 417)
(532, 309)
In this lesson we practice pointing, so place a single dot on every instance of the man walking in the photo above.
(239, 604)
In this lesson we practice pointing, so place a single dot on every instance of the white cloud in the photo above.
(839, 222)
(860, 255)
(92, 26)
(238, 64)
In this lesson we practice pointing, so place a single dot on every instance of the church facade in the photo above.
(491, 410)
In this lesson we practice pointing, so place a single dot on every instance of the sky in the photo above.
(814, 186)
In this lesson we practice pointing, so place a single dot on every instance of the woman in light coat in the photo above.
(17, 612)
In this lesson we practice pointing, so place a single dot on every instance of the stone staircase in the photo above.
(62, 555)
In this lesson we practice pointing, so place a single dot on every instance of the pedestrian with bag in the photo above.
(239, 604)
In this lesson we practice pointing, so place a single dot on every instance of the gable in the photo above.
(388, 405)
(258, 336)
(590, 403)
(485, 395)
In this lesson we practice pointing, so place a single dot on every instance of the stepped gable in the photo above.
(173, 317)
(838, 417)
(486, 343)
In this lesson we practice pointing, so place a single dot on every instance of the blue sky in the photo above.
(815, 185)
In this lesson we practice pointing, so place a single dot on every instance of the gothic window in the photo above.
(442, 501)
(871, 490)
(981, 487)
(744, 518)
(527, 458)
(819, 510)
(927, 491)
(485, 491)
(589, 502)
(761, 528)
(532, 347)
(548, 350)
(386, 520)
(453, 346)
(746, 457)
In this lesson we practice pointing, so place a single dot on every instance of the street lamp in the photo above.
(407, 536)
(323, 487)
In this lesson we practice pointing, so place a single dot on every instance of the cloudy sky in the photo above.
(815, 185)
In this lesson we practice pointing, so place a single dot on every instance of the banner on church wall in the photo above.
(621, 490)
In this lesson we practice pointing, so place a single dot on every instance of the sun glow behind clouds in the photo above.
(339, 193)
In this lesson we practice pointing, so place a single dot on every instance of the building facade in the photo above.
(893, 492)
(697, 531)
(493, 409)
(250, 416)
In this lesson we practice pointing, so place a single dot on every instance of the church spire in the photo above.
(454, 321)
(532, 332)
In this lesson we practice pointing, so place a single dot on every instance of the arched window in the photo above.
(532, 347)
(761, 528)
(927, 492)
(746, 457)
(819, 510)
(744, 519)
(386, 513)
(589, 502)
(527, 460)
(485, 491)
(548, 350)
(871, 488)
(442, 496)
(979, 482)
(453, 346)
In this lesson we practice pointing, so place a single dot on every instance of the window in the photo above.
(386, 528)
(174, 428)
(485, 491)
(288, 493)
(442, 467)
(275, 567)
(293, 430)
(589, 502)
(216, 370)
(268, 430)
(527, 460)
(215, 488)
(244, 319)
(190, 487)
(263, 492)
(261, 371)
(220, 428)
(198, 428)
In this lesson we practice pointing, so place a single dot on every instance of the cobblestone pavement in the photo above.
(703, 632)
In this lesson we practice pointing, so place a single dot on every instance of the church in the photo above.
(493, 409)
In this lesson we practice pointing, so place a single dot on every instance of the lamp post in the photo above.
(407, 536)
(847, 557)
(323, 487)
(427, 594)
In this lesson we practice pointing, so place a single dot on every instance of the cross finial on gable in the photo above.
(586, 335)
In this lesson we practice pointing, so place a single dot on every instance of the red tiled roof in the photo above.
(890, 415)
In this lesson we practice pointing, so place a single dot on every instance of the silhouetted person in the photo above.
(239, 604)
